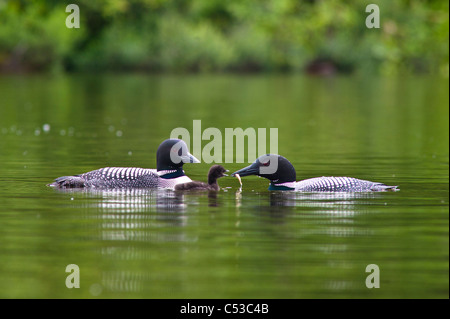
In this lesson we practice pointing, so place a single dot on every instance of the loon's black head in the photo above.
(215, 172)
(172, 154)
(275, 168)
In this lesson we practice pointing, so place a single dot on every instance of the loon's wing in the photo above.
(341, 184)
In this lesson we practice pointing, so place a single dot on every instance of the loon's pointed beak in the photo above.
(189, 158)
(252, 169)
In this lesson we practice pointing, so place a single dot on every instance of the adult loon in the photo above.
(282, 176)
(215, 172)
(170, 157)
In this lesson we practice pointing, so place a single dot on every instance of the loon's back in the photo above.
(119, 177)
(341, 184)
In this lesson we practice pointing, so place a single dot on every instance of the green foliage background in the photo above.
(218, 35)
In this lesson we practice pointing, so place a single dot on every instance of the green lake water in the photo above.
(234, 244)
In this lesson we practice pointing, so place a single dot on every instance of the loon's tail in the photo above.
(384, 188)
(68, 182)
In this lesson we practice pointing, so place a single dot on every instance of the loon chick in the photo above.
(282, 176)
(215, 172)
(170, 157)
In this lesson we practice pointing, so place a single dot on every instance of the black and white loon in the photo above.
(170, 157)
(282, 176)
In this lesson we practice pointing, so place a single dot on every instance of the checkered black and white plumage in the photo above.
(283, 177)
(121, 177)
(170, 158)
(340, 184)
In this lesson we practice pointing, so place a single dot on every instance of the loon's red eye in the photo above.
(266, 164)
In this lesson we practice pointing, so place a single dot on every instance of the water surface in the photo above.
(248, 243)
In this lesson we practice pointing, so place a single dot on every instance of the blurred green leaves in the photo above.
(234, 35)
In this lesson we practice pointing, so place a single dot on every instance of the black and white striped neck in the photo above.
(169, 174)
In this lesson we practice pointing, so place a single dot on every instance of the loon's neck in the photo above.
(212, 180)
(169, 174)
(288, 186)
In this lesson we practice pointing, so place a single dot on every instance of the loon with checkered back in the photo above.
(170, 157)
(282, 176)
